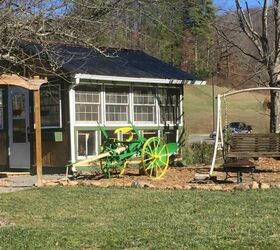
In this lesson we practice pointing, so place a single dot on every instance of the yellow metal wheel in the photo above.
(155, 157)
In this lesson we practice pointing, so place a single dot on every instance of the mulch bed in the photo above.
(267, 175)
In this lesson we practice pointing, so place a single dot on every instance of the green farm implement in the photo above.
(152, 155)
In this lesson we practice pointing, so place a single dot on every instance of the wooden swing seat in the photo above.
(245, 146)
(254, 145)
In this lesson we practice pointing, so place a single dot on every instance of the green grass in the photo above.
(127, 218)
(246, 107)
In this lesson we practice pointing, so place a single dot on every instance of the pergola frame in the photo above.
(33, 85)
(219, 127)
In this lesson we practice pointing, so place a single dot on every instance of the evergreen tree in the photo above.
(157, 27)
(199, 17)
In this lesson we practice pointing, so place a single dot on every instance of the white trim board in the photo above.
(138, 79)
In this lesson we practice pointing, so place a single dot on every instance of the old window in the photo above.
(170, 135)
(169, 102)
(87, 103)
(144, 105)
(50, 106)
(86, 143)
(150, 133)
(111, 135)
(1, 110)
(117, 104)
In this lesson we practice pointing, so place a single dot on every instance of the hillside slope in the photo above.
(246, 107)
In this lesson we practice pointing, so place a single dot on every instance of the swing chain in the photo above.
(226, 110)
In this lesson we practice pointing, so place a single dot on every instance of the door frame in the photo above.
(27, 165)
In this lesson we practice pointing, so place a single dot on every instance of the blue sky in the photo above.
(230, 4)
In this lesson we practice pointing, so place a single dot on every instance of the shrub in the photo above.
(198, 153)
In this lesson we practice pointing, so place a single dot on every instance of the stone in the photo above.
(51, 184)
(96, 183)
(264, 186)
(177, 187)
(73, 183)
(141, 184)
(192, 187)
(187, 187)
(275, 185)
(136, 184)
(149, 185)
(254, 185)
(241, 187)
(199, 177)
(216, 188)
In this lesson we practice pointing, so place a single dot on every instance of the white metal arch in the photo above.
(219, 129)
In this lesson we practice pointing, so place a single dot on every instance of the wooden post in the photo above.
(38, 138)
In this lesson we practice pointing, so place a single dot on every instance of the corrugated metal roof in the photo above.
(114, 62)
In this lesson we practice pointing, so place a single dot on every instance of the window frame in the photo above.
(154, 105)
(99, 120)
(179, 106)
(59, 103)
(127, 104)
(84, 132)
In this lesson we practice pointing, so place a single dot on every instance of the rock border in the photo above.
(254, 185)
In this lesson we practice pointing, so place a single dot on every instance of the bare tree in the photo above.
(46, 23)
(263, 34)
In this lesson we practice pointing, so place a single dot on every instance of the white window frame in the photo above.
(80, 157)
(60, 113)
(1, 111)
(154, 105)
(142, 131)
(128, 104)
(99, 120)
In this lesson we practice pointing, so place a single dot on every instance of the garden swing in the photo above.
(251, 145)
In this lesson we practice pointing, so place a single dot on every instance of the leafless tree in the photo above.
(48, 22)
(261, 28)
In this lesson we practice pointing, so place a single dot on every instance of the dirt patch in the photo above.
(5, 222)
(267, 175)
(4, 182)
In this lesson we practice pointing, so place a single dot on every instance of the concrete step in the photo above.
(9, 173)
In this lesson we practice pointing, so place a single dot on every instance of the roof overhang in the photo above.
(19, 81)
(138, 80)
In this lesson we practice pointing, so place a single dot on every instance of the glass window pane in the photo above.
(144, 104)
(169, 101)
(19, 130)
(81, 144)
(50, 105)
(170, 136)
(86, 143)
(87, 103)
(18, 105)
(117, 103)
(91, 148)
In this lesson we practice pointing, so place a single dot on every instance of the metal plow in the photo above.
(152, 155)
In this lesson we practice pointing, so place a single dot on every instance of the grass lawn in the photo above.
(127, 218)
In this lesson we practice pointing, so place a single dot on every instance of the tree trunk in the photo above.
(275, 100)
(273, 111)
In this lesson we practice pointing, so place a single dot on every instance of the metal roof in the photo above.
(113, 62)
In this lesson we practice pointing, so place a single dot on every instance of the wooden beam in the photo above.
(15, 80)
(38, 138)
